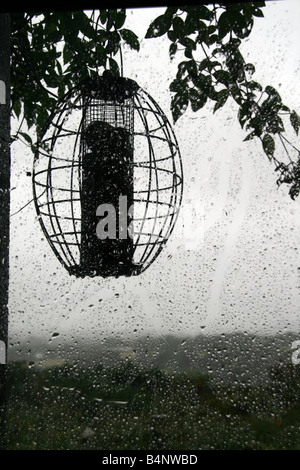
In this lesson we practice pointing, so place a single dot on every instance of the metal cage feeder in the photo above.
(107, 150)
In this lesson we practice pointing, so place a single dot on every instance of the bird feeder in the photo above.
(107, 178)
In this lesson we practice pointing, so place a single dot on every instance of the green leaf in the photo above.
(197, 99)
(249, 68)
(250, 136)
(268, 145)
(240, 24)
(202, 82)
(170, 11)
(273, 93)
(223, 76)
(172, 50)
(84, 25)
(191, 22)
(110, 22)
(113, 43)
(244, 113)
(182, 68)
(192, 69)
(159, 26)
(103, 16)
(188, 42)
(130, 38)
(119, 17)
(202, 32)
(179, 104)
(172, 35)
(178, 86)
(254, 85)
(114, 67)
(295, 121)
(222, 98)
(17, 108)
(224, 25)
(208, 64)
(236, 93)
(178, 26)
(258, 12)
(51, 79)
(204, 13)
(26, 137)
(100, 54)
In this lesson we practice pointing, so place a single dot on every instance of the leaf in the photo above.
(204, 13)
(188, 53)
(103, 16)
(273, 93)
(197, 99)
(208, 64)
(83, 24)
(170, 11)
(178, 26)
(171, 35)
(113, 43)
(178, 86)
(119, 18)
(236, 93)
(250, 136)
(182, 68)
(109, 23)
(191, 22)
(243, 113)
(295, 121)
(223, 76)
(179, 104)
(100, 54)
(254, 85)
(188, 42)
(202, 32)
(222, 98)
(249, 68)
(240, 24)
(224, 25)
(172, 50)
(294, 191)
(268, 145)
(191, 67)
(130, 38)
(26, 137)
(51, 80)
(200, 81)
(159, 26)
(114, 67)
(17, 108)
(258, 12)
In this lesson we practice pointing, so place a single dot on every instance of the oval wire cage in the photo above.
(142, 162)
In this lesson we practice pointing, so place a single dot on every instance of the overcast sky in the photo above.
(235, 268)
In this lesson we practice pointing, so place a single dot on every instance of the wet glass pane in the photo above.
(201, 350)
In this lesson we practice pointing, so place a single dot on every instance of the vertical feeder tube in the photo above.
(107, 182)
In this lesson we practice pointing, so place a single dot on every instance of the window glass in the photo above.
(200, 351)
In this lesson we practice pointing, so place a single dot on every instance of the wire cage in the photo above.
(107, 179)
